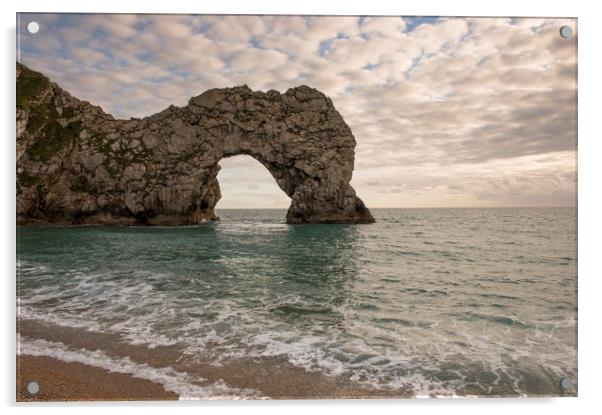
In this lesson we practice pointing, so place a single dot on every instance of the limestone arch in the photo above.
(162, 169)
(299, 138)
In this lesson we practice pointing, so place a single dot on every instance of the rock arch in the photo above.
(77, 164)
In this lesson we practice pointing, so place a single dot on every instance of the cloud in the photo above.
(448, 111)
(256, 60)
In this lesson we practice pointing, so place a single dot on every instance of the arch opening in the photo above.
(245, 183)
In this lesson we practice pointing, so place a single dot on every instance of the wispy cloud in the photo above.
(446, 112)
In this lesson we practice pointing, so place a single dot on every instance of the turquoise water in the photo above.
(443, 301)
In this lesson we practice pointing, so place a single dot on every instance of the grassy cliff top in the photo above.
(30, 84)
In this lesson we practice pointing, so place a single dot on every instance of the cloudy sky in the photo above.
(446, 112)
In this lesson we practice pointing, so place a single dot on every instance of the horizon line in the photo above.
(423, 207)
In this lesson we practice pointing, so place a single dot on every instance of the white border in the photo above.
(589, 205)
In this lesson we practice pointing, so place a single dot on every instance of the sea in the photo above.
(422, 303)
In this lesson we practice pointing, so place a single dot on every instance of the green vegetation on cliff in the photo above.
(43, 118)
(55, 136)
(26, 179)
(30, 85)
(82, 184)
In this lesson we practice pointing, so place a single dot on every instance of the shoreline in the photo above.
(61, 381)
(65, 381)
(254, 378)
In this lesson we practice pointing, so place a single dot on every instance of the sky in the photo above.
(446, 112)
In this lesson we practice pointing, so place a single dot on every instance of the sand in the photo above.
(62, 381)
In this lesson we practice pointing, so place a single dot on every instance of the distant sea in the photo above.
(437, 302)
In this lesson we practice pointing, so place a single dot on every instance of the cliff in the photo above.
(77, 164)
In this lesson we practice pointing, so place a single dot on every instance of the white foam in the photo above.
(24, 312)
(184, 385)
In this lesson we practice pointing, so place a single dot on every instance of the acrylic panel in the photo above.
(294, 207)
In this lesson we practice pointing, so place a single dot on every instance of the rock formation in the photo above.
(77, 164)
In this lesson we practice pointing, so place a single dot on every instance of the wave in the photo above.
(185, 386)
